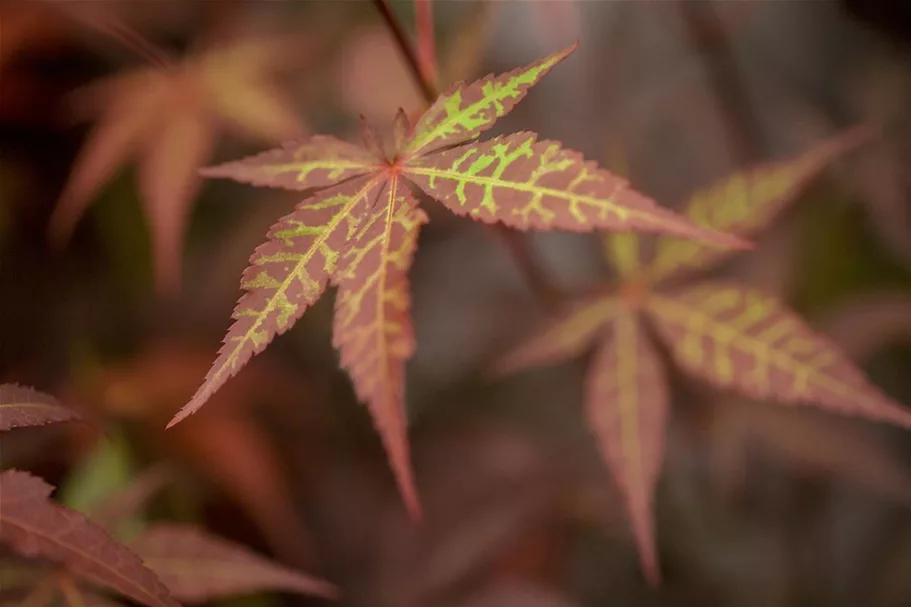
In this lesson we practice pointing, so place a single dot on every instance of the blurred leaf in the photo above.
(568, 334)
(627, 405)
(745, 203)
(22, 406)
(105, 469)
(738, 337)
(170, 114)
(119, 508)
(34, 526)
(198, 567)
(808, 442)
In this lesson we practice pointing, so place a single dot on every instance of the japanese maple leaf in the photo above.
(730, 334)
(169, 117)
(358, 226)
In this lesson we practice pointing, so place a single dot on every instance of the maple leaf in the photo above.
(198, 567)
(627, 403)
(729, 334)
(359, 229)
(22, 406)
(33, 526)
(170, 117)
(745, 203)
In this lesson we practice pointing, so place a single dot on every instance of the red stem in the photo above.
(514, 242)
(427, 55)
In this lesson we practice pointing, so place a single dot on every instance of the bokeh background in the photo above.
(758, 505)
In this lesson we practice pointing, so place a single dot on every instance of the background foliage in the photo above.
(756, 505)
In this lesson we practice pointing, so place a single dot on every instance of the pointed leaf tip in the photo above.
(627, 409)
(567, 334)
(287, 274)
(23, 406)
(738, 337)
(316, 162)
(746, 202)
(466, 111)
(372, 326)
(529, 184)
(200, 567)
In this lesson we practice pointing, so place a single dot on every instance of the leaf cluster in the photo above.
(729, 334)
(67, 554)
(358, 225)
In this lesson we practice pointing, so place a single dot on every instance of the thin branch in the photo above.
(427, 55)
(514, 242)
(122, 33)
(707, 35)
(407, 51)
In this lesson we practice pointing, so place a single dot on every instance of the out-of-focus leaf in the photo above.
(105, 469)
(627, 404)
(566, 335)
(463, 53)
(622, 252)
(119, 507)
(224, 447)
(22, 406)
(808, 442)
(198, 567)
(173, 114)
(372, 329)
(745, 203)
(168, 181)
(738, 337)
(863, 324)
(34, 526)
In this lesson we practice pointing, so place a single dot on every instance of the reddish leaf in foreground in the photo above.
(738, 337)
(198, 567)
(372, 321)
(529, 184)
(34, 526)
(316, 162)
(356, 238)
(627, 404)
(288, 273)
(466, 111)
(22, 406)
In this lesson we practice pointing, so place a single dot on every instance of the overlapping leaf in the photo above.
(731, 335)
(170, 117)
(361, 232)
(530, 184)
(627, 402)
(36, 527)
(22, 406)
(738, 337)
(197, 567)
(567, 334)
(288, 273)
(372, 322)
(745, 203)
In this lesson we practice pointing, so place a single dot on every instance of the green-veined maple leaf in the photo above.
(729, 334)
(358, 230)
(169, 117)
